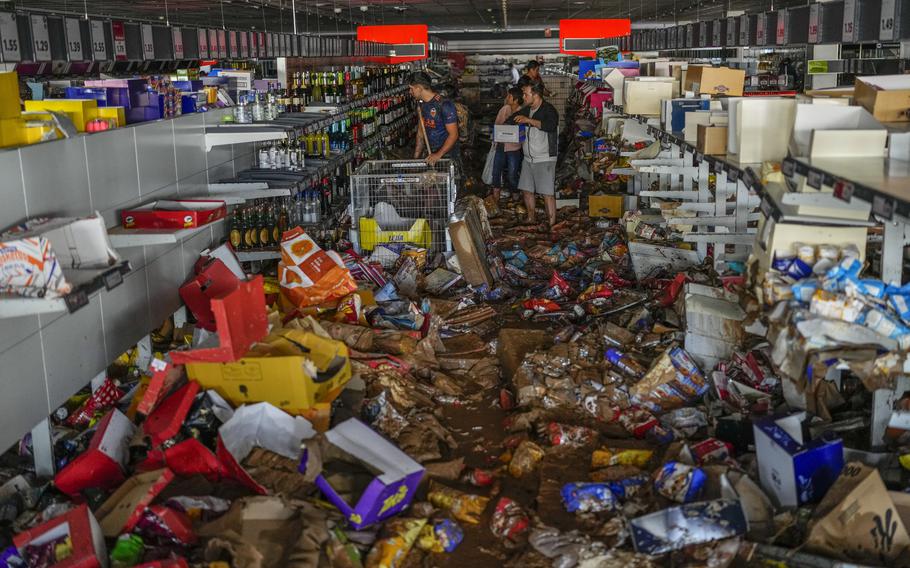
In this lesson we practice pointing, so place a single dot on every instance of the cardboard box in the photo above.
(712, 140)
(690, 524)
(261, 529)
(174, 214)
(115, 113)
(12, 132)
(675, 111)
(396, 474)
(792, 472)
(703, 80)
(510, 133)
(9, 95)
(610, 206)
(78, 242)
(692, 121)
(858, 516)
(772, 236)
(166, 420)
(103, 463)
(123, 509)
(279, 370)
(79, 110)
(470, 248)
(887, 97)
(88, 548)
(645, 97)
(811, 118)
(760, 128)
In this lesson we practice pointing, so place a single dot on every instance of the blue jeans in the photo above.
(506, 168)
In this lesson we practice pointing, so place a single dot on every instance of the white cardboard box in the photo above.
(509, 133)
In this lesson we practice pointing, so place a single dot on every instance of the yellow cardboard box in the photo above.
(605, 206)
(12, 132)
(9, 95)
(118, 114)
(79, 110)
(292, 369)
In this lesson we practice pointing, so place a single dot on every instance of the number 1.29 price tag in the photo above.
(41, 42)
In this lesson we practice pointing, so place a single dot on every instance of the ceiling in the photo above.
(443, 16)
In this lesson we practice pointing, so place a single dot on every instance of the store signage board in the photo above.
(213, 44)
(119, 35)
(744, 29)
(233, 38)
(888, 20)
(177, 34)
(9, 37)
(99, 44)
(760, 29)
(74, 40)
(202, 39)
(849, 31)
(716, 36)
(781, 31)
(222, 44)
(813, 23)
(41, 41)
(148, 43)
(244, 44)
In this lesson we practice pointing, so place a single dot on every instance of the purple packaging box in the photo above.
(131, 85)
(142, 114)
(393, 487)
(146, 99)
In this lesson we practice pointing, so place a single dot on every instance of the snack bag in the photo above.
(309, 275)
(29, 267)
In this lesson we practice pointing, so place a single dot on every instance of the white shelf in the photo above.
(18, 306)
(126, 238)
(237, 197)
(257, 255)
(226, 135)
(83, 282)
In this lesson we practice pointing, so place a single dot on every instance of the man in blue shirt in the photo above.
(440, 121)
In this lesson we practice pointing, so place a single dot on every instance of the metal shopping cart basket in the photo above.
(402, 202)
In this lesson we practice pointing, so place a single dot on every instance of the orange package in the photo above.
(309, 275)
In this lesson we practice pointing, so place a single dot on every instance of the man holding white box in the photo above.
(538, 170)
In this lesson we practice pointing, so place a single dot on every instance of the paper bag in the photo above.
(310, 275)
(858, 520)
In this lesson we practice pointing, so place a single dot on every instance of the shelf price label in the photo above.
(781, 35)
(73, 40)
(232, 36)
(202, 40)
(731, 31)
(213, 44)
(177, 35)
(814, 179)
(9, 37)
(744, 29)
(788, 167)
(148, 43)
(262, 50)
(41, 41)
(760, 29)
(244, 44)
(813, 23)
(883, 207)
(849, 30)
(842, 190)
(119, 35)
(99, 44)
(889, 16)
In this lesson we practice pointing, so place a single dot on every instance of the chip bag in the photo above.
(309, 275)
(463, 506)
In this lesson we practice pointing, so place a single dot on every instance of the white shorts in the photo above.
(539, 178)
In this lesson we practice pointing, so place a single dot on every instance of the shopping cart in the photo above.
(400, 202)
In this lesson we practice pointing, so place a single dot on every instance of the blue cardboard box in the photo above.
(791, 471)
(679, 108)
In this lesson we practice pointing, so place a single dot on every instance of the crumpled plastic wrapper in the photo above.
(525, 458)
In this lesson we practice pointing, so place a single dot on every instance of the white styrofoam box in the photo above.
(812, 117)
(646, 257)
(762, 128)
(772, 236)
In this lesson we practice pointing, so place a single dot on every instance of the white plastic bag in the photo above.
(487, 176)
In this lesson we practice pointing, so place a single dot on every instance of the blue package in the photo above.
(588, 498)
(864, 287)
(804, 290)
(782, 263)
(884, 324)
(388, 293)
(799, 270)
(680, 482)
(847, 267)
(900, 303)
(448, 533)
(628, 487)
(695, 523)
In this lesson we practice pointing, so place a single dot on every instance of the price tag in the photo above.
(73, 40)
(75, 300)
(886, 26)
(9, 37)
(222, 44)
(744, 29)
(148, 43)
(843, 190)
(213, 44)
(232, 36)
(731, 31)
(698, 158)
(732, 174)
(788, 167)
(765, 207)
(269, 46)
(749, 179)
(41, 41)
(113, 279)
(813, 22)
(262, 49)
(177, 35)
(849, 20)
(781, 31)
(883, 207)
(99, 44)
(202, 39)
(814, 179)
(119, 41)
(760, 29)
(244, 44)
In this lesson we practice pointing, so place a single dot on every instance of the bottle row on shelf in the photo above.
(338, 86)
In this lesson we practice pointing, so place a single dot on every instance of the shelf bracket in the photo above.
(896, 237)
(43, 449)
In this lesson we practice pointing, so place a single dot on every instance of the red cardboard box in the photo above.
(212, 280)
(101, 465)
(165, 422)
(85, 534)
(174, 214)
(164, 378)
(124, 508)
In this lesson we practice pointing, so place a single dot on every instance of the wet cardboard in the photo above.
(514, 344)
(610, 206)
(860, 520)
(124, 508)
(269, 525)
(390, 492)
(792, 472)
(693, 523)
(467, 239)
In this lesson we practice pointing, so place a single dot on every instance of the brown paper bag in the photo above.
(858, 520)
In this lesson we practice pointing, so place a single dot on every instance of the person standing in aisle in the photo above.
(513, 69)
(538, 169)
(507, 160)
(532, 72)
(437, 128)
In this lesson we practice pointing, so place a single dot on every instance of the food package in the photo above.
(309, 275)
(509, 523)
(390, 552)
(29, 267)
(463, 506)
